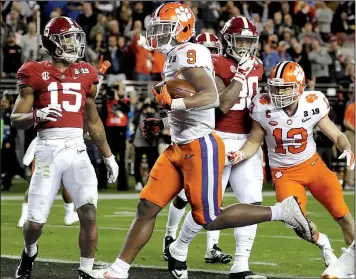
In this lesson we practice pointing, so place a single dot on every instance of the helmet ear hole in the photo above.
(185, 29)
(59, 52)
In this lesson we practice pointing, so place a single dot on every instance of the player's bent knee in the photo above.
(33, 226)
(179, 203)
(147, 209)
(87, 213)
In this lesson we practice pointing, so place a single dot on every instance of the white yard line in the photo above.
(162, 231)
(136, 196)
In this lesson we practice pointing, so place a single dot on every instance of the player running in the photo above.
(61, 94)
(213, 253)
(196, 158)
(286, 118)
(237, 76)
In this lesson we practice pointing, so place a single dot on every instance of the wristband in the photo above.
(239, 77)
(178, 104)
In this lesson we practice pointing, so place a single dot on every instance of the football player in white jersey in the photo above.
(236, 74)
(195, 159)
(286, 118)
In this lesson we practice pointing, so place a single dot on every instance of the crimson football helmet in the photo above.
(64, 39)
(210, 41)
(240, 36)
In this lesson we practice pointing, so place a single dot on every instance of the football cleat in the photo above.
(216, 255)
(343, 267)
(328, 256)
(24, 269)
(71, 219)
(246, 275)
(97, 273)
(166, 242)
(176, 268)
(294, 218)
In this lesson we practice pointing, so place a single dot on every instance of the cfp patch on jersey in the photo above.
(278, 174)
(45, 75)
(81, 71)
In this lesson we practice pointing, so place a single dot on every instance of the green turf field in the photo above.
(277, 251)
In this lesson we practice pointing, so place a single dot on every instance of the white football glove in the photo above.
(112, 168)
(235, 157)
(350, 159)
(244, 67)
(143, 42)
(47, 114)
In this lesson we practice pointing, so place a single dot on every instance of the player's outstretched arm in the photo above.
(21, 116)
(228, 95)
(95, 125)
(251, 146)
(339, 139)
(206, 96)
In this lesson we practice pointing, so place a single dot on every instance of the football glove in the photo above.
(235, 157)
(350, 159)
(103, 66)
(47, 114)
(244, 67)
(151, 127)
(163, 98)
(112, 168)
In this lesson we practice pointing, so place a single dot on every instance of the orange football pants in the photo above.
(197, 167)
(316, 176)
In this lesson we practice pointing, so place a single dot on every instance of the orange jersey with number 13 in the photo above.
(290, 138)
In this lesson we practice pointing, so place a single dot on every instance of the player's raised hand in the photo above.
(244, 67)
(112, 168)
(151, 127)
(162, 97)
(103, 66)
(235, 157)
(350, 159)
(47, 114)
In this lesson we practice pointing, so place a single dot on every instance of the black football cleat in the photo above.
(24, 269)
(246, 275)
(177, 269)
(216, 255)
(166, 242)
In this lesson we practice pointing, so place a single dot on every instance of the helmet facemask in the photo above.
(70, 46)
(239, 45)
(283, 94)
(160, 34)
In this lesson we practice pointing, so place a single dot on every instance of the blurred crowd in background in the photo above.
(319, 35)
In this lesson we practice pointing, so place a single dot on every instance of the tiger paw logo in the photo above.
(278, 174)
(311, 98)
(264, 100)
(299, 73)
(183, 14)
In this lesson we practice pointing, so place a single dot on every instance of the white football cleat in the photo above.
(294, 218)
(98, 273)
(71, 219)
(139, 187)
(328, 256)
(343, 267)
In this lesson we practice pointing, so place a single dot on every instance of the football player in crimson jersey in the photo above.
(211, 41)
(286, 118)
(194, 159)
(236, 74)
(57, 97)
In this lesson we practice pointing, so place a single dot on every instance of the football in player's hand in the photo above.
(180, 88)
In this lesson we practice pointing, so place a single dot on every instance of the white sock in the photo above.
(179, 248)
(24, 211)
(174, 217)
(277, 213)
(69, 208)
(244, 236)
(323, 241)
(87, 263)
(212, 238)
(31, 250)
(121, 268)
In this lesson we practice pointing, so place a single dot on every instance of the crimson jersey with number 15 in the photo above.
(237, 120)
(67, 90)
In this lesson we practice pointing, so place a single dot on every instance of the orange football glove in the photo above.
(103, 66)
(163, 98)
